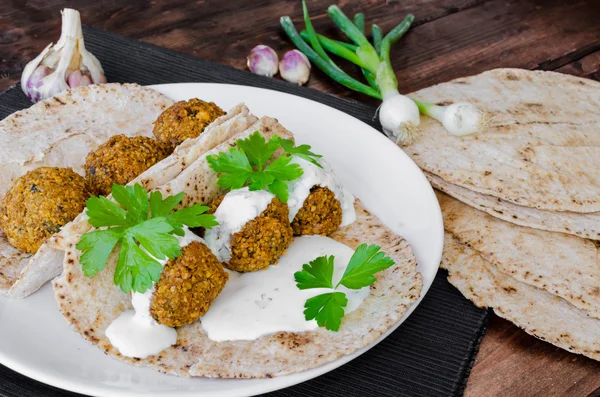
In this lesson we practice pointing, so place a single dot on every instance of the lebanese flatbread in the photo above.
(542, 149)
(60, 132)
(538, 312)
(585, 225)
(561, 264)
(91, 304)
(22, 274)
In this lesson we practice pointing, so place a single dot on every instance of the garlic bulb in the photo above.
(67, 64)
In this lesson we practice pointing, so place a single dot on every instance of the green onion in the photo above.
(365, 50)
(322, 39)
(377, 34)
(459, 118)
(336, 48)
(332, 71)
(312, 36)
(359, 22)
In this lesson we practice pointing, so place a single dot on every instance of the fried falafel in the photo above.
(262, 241)
(187, 287)
(39, 203)
(183, 120)
(120, 160)
(321, 213)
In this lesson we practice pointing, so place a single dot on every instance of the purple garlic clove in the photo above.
(295, 67)
(263, 60)
(35, 81)
(77, 79)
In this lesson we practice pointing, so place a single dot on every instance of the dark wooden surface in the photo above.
(451, 38)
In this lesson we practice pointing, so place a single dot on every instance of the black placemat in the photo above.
(431, 354)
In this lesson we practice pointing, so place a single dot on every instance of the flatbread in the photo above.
(91, 304)
(539, 313)
(542, 149)
(47, 262)
(561, 264)
(60, 132)
(585, 225)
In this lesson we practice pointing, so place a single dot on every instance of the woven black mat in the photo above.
(431, 354)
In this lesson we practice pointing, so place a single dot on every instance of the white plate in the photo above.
(37, 342)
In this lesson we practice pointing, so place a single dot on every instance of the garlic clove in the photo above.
(28, 71)
(91, 63)
(65, 65)
(263, 60)
(295, 67)
(77, 79)
(35, 82)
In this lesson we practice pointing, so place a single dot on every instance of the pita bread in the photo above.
(561, 264)
(47, 262)
(539, 313)
(60, 132)
(578, 224)
(542, 149)
(91, 304)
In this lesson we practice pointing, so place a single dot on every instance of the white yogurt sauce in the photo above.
(324, 177)
(264, 302)
(135, 333)
(237, 208)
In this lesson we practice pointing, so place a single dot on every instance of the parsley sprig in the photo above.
(143, 227)
(328, 308)
(251, 163)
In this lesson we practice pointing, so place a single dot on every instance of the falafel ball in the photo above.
(39, 203)
(262, 241)
(187, 287)
(321, 213)
(183, 120)
(119, 160)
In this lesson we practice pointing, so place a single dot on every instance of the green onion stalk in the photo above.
(399, 115)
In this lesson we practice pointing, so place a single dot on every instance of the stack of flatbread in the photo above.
(521, 202)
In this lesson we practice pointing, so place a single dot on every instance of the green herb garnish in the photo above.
(328, 308)
(251, 163)
(302, 151)
(144, 229)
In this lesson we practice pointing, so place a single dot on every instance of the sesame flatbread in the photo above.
(542, 149)
(91, 304)
(585, 225)
(538, 312)
(561, 264)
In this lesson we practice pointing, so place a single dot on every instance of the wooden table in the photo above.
(450, 38)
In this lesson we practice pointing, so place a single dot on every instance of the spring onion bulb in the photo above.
(263, 60)
(67, 64)
(399, 118)
(459, 118)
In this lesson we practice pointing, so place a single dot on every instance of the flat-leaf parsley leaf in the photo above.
(251, 163)
(302, 151)
(328, 308)
(143, 228)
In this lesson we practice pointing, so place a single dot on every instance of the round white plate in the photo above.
(37, 342)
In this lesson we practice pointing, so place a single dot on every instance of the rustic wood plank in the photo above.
(588, 66)
(223, 31)
(513, 363)
(514, 33)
